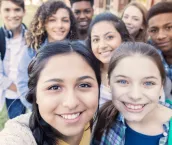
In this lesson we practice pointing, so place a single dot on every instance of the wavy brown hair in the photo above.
(37, 34)
(142, 34)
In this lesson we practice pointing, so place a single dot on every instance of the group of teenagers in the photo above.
(105, 80)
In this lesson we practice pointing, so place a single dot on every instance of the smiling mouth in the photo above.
(162, 44)
(71, 116)
(106, 53)
(134, 107)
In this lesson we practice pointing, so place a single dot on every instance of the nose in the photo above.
(161, 35)
(59, 24)
(127, 21)
(102, 44)
(82, 15)
(12, 13)
(70, 101)
(135, 93)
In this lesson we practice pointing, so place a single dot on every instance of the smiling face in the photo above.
(104, 39)
(83, 12)
(67, 95)
(133, 19)
(11, 14)
(136, 86)
(58, 25)
(160, 31)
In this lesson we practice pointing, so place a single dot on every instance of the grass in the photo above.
(30, 10)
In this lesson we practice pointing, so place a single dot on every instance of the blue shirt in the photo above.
(135, 138)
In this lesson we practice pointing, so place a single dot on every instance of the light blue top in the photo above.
(22, 81)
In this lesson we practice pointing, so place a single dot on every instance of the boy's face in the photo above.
(160, 31)
(11, 14)
(83, 12)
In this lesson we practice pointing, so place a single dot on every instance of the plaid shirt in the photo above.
(168, 68)
(116, 134)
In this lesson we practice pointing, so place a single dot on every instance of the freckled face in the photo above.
(136, 86)
(67, 95)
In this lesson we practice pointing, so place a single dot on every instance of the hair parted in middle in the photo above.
(43, 133)
(37, 34)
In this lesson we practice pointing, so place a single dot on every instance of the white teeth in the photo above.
(134, 107)
(71, 116)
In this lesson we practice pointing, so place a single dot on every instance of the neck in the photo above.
(104, 74)
(82, 34)
(17, 32)
(74, 140)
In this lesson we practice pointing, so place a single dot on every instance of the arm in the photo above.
(5, 82)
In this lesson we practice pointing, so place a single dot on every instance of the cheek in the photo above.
(90, 101)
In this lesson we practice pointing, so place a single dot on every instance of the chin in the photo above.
(133, 118)
(71, 132)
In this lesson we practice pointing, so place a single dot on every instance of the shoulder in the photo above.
(165, 112)
(17, 132)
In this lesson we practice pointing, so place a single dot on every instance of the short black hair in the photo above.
(159, 8)
(19, 3)
(74, 1)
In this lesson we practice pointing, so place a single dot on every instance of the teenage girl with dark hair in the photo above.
(64, 80)
(106, 33)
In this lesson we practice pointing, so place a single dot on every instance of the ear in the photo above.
(162, 94)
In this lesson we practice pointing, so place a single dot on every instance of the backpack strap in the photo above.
(2, 43)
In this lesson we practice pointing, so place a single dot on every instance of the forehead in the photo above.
(103, 27)
(136, 67)
(58, 67)
(81, 5)
(61, 12)
(133, 10)
(9, 4)
(160, 20)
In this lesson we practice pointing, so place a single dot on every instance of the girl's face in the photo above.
(67, 95)
(133, 19)
(104, 40)
(136, 86)
(58, 25)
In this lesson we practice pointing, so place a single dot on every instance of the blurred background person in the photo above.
(134, 17)
(83, 12)
(53, 21)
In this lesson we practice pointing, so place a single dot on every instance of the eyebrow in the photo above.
(85, 77)
(163, 25)
(60, 80)
(150, 77)
(54, 80)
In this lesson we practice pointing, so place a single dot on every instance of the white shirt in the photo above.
(13, 53)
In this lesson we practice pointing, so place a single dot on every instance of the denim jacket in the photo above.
(22, 82)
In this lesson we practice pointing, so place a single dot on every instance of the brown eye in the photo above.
(54, 87)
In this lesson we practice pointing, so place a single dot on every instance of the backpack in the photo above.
(2, 43)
